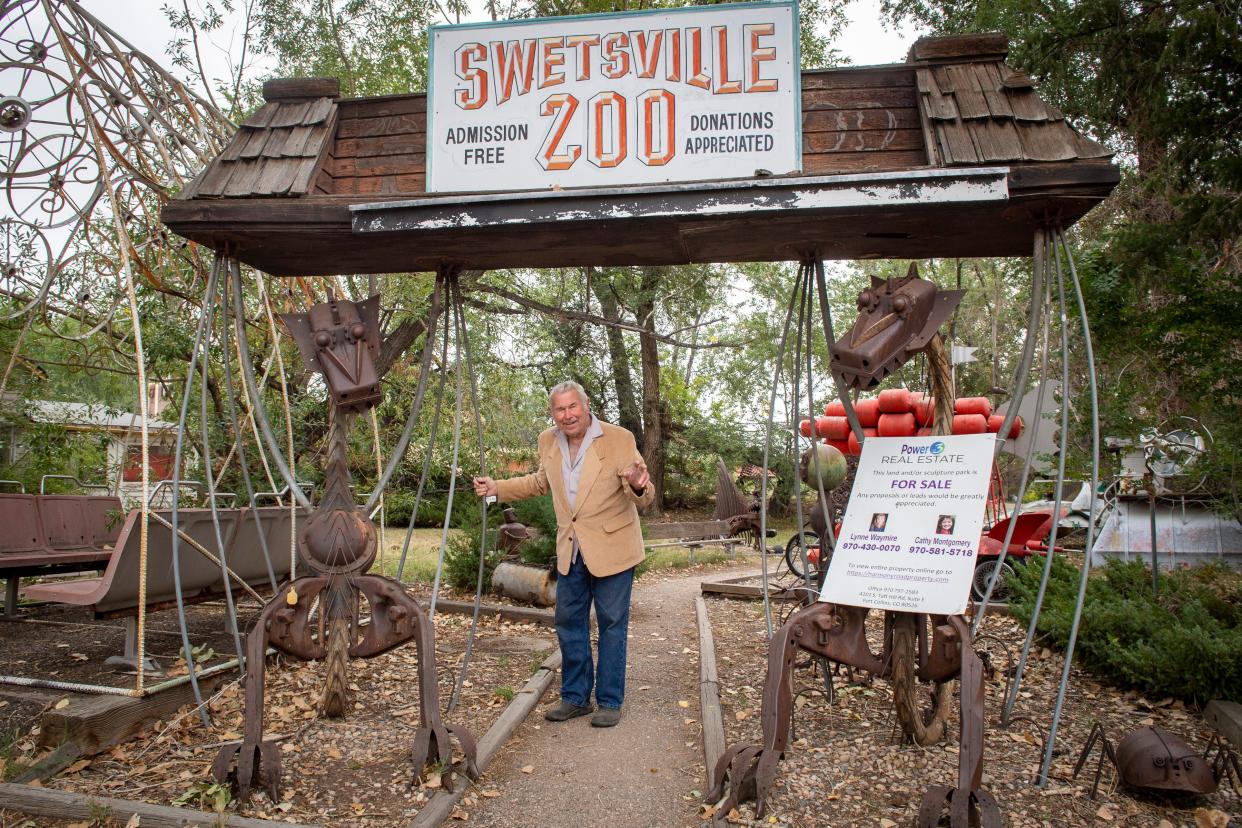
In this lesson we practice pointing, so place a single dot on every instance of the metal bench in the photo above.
(116, 593)
(694, 535)
(46, 534)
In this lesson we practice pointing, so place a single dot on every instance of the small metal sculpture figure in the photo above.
(340, 339)
(1153, 759)
(511, 534)
(896, 319)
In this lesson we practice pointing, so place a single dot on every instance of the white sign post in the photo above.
(685, 94)
(912, 527)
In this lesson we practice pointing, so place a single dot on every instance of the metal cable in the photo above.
(1046, 302)
(464, 338)
(424, 366)
(819, 480)
(431, 442)
(801, 288)
(1039, 271)
(1056, 505)
(247, 366)
(767, 444)
(448, 510)
(1095, 482)
(231, 393)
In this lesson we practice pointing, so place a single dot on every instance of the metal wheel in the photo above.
(983, 573)
(923, 725)
(809, 541)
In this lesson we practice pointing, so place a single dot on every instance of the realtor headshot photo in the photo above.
(878, 522)
(944, 524)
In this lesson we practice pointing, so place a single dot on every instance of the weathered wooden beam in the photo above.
(525, 615)
(283, 89)
(46, 802)
(440, 807)
(709, 690)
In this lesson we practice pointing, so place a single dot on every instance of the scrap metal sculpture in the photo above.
(318, 616)
(1153, 759)
(897, 318)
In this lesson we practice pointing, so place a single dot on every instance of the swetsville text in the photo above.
(912, 527)
(636, 98)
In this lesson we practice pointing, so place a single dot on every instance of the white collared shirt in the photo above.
(571, 467)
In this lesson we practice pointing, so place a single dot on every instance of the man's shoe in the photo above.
(606, 717)
(567, 710)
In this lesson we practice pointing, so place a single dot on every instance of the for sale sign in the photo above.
(912, 527)
(603, 100)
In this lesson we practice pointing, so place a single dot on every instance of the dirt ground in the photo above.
(848, 766)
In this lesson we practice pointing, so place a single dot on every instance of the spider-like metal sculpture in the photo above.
(317, 616)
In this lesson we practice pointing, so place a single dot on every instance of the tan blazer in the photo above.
(605, 519)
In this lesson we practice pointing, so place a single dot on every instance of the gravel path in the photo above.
(645, 772)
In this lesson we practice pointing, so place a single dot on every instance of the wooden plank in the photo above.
(523, 615)
(959, 46)
(1052, 141)
(255, 142)
(844, 162)
(861, 78)
(967, 93)
(955, 143)
(884, 98)
(284, 88)
(306, 174)
(233, 151)
(383, 107)
(837, 120)
(1226, 717)
(296, 140)
(410, 183)
(99, 723)
(277, 175)
(402, 164)
(319, 111)
(441, 805)
(689, 529)
(996, 140)
(262, 117)
(242, 181)
(47, 802)
(356, 127)
(370, 146)
(937, 104)
(1027, 106)
(857, 140)
(291, 113)
(729, 590)
(709, 690)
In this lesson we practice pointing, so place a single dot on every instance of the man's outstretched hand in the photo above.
(636, 475)
(485, 487)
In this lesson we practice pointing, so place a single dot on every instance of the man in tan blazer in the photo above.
(598, 482)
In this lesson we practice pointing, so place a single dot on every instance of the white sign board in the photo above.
(912, 527)
(684, 94)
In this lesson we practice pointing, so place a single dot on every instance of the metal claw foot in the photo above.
(433, 744)
(265, 773)
(746, 771)
(968, 808)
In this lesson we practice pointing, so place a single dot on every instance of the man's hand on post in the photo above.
(636, 475)
(485, 487)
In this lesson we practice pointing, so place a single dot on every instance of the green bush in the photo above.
(461, 562)
(398, 505)
(1186, 642)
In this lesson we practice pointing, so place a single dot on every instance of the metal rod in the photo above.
(448, 510)
(1028, 345)
(1095, 482)
(767, 444)
(825, 312)
(424, 365)
(1043, 239)
(810, 393)
(431, 442)
(260, 411)
(982, 608)
(464, 336)
(802, 289)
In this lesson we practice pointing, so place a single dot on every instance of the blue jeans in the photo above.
(574, 594)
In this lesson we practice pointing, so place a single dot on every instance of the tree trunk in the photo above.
(629, 414)
(654, 414)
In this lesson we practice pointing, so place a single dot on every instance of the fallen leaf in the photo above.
(459, 814)
(333, 752)
(528, 769)
(134, 821)
(887, 823)
(62, 704)
(1105, 813)
(434, 780)
(742, 715)
(491, 794)
(78, 765)
(1210, 818)
(683, 703)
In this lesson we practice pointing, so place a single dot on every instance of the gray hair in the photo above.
(564, 388)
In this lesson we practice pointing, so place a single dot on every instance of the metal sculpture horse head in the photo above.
(896, 319)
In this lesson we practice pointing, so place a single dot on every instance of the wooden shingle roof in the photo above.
(278, 150)
(981, 111)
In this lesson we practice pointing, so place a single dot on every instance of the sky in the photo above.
(143, 23)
